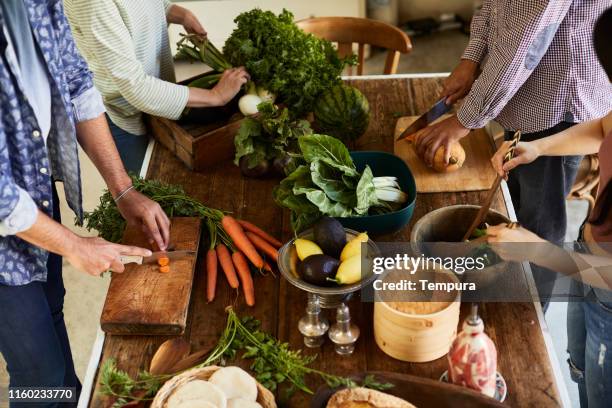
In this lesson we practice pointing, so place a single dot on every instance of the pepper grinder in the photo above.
(313, 326)
(342, 333)
(472, 358)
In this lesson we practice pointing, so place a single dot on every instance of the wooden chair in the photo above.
(347, 31)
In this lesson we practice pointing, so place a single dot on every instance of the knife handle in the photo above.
(127, 259)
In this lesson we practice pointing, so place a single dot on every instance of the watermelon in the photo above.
(342, 111)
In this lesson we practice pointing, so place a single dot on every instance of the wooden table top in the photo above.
(513, 327)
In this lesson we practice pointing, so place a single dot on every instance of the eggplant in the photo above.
(330, 235)
(259, 170)
(316, 269)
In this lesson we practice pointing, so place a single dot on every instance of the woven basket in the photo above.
(264, 397)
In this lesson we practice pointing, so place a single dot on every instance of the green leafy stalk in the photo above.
(107, 220)
(196, 47)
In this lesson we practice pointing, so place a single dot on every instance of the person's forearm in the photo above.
(203, 98)
(176, 14)
(50, 235)
(582, 139)
(95, 138)
(592, 270)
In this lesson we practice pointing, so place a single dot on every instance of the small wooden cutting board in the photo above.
(143, 300)
(476, 173)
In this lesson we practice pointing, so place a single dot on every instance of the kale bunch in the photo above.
(283, 59)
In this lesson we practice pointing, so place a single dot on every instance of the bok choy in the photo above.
(328, 183)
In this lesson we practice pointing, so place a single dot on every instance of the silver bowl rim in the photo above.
(284, 252)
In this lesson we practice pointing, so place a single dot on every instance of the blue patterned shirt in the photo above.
(28, 164)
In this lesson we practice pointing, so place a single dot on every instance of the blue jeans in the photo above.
(132, 148)
(538, 192)
(589, 332)
(33, 337)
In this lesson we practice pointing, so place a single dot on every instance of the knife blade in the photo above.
(145, 260)
(439, 109)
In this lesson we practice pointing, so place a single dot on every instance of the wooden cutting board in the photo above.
(144, 301)
(476, 173)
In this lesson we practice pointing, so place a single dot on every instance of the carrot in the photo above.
(234, 230)
(258, 231)
(242, 267)
(163, 261)
(225, 259)
(211, 270)
(164, 268)
(263, 245)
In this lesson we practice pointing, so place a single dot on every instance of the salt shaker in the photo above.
(472, 358)
(313, 326)
(342, 333)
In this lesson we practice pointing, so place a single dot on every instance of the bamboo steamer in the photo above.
(415, 333)
(264, 397)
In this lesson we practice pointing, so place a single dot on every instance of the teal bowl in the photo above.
(384, 164)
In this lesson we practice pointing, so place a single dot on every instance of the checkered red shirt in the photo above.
(539, 67)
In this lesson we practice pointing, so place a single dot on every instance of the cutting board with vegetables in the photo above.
(142, 300)
(475, 174)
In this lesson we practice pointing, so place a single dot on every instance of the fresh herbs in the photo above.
(109, 223)
(273, 363)
(283, 59)
(271, 136)
(330, 184)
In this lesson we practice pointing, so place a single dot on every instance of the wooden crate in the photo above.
(199, 144)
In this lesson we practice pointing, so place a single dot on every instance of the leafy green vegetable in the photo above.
(329, 184)
(273, 134)
(283, 59)
(273, 363)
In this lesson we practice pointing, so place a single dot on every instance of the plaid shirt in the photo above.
(27, 164)
(539, 67)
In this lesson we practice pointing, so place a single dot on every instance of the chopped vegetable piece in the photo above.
(164, 269)
(163, 261)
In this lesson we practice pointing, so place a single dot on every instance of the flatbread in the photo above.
(365, 398)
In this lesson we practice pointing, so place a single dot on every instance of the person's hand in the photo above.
(525, 152)
(501, 233)
(139, 210)
(515, 244)
(460, 81)
(444, 133)
(229, 85)
(95, 256)
(192, 25)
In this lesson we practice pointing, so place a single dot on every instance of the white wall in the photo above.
(217, 16)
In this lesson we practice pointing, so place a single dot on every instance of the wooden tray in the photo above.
(421, 392)
(203, 138)
(476, 173)
(144, 301)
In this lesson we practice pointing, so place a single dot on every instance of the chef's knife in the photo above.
(144, 260)
(439, 109)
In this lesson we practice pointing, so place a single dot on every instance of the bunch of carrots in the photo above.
(248, 244)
